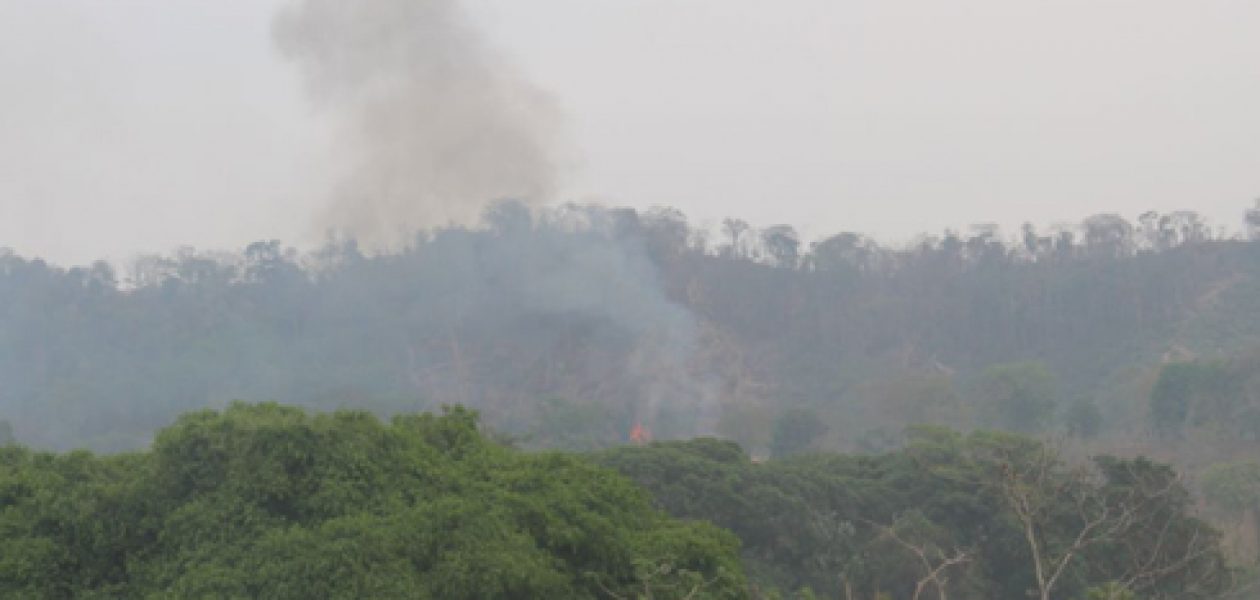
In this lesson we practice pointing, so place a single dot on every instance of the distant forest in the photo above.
(569, 326)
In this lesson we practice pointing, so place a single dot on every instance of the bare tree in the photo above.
(934, 562)
(1161, 542)
(1143, 518)
(1033, 494)
(662, 580)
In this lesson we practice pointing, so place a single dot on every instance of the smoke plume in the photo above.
(433, 128)
(430, 124)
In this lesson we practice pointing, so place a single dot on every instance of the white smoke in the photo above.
(431, 125)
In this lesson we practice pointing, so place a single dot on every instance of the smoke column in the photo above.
(433, 128)
(430, 124)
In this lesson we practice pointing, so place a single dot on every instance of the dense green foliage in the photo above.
(836, 522)
(1018, 397)
(1217, 395)
(265, 501)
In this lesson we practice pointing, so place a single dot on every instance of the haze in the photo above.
(141, 126)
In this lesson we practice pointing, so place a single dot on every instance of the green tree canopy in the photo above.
(1018, 396)
(943, 511)
(267, 501)
(795, 431)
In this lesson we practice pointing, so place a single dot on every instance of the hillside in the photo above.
(570, 326)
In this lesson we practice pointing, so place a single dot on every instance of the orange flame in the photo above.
(639, 435)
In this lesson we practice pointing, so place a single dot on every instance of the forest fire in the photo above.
(640, 435)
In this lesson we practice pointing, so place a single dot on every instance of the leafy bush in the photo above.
(267, 501)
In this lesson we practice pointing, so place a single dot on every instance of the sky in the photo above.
(134, 126)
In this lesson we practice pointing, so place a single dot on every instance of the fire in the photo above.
(640, 435)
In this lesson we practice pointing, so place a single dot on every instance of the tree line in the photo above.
(264, 500)
(625, 317)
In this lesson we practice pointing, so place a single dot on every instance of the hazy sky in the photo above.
(130, 125)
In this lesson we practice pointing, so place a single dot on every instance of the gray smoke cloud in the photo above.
(435, 128)
(431, 125)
